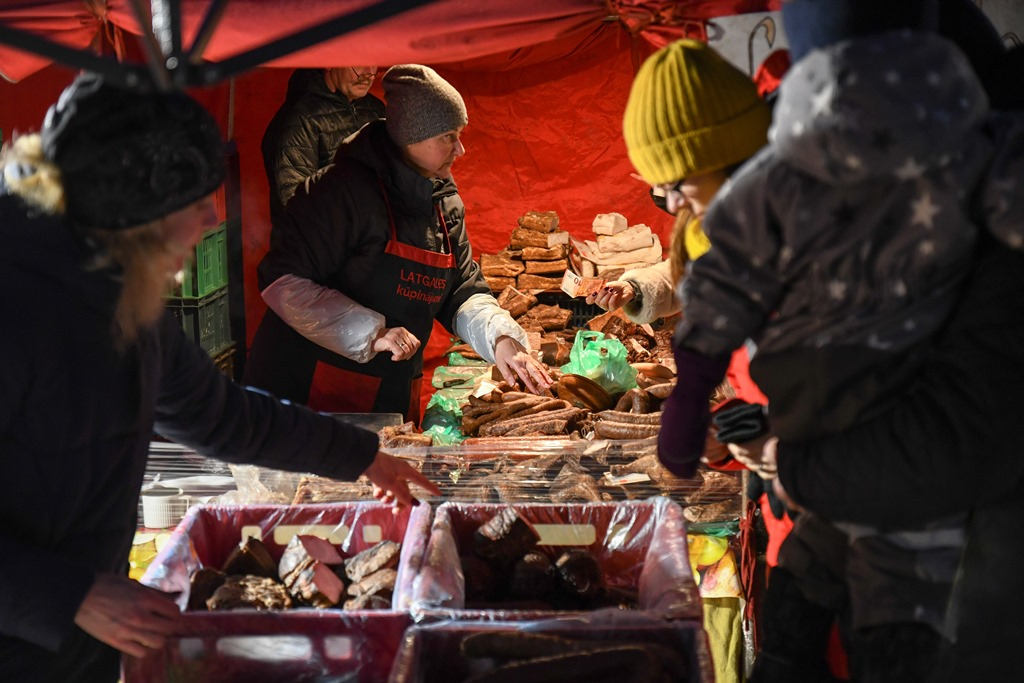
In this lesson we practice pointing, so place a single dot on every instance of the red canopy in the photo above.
(443, 31)
(545, 84)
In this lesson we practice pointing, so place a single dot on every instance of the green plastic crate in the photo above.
(206, 321)
(208, 272)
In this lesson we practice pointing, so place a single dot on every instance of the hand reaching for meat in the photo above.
(391, 478)
(515, 364)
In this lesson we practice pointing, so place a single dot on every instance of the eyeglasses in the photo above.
(364, 72)
(665, 189)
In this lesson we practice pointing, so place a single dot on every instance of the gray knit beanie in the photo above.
(420, 104)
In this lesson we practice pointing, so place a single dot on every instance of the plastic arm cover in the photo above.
(325, 316)
(480, 321)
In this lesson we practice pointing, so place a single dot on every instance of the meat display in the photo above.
(311, 573)
(257, 592)
(506, 568)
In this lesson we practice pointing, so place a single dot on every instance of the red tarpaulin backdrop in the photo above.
(545, 84)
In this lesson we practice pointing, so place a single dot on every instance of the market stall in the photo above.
(545, 85)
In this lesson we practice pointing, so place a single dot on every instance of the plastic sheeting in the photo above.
(431, 653)
(638, 544)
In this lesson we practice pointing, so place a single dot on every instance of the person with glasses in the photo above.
(376, 249)
(322, 107)
(841, 249)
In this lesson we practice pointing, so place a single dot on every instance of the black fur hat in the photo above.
(128, 157)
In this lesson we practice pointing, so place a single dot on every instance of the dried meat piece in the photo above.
(516, 302)
(533, 576)
(368, 601)
(313, 489)
(505, 538)
(377, 582)
(202, 585)
(546, 267)
(257, 592)
(539, 282)
(559, 251)
(539, 221)
(579, 574)
(722, 511)
(383, 555)
(306, 571)
(499, 283)
(251, 557)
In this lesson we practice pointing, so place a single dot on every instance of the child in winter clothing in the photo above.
(840, 250)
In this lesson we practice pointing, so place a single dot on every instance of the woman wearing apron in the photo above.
(373, 250)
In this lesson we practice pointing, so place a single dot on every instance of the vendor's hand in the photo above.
(615, 294)
(391, 478)
(515, 363)
(402, 343)
(758, 455)
(127, 615)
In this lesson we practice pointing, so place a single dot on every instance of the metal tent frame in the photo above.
(169, 66)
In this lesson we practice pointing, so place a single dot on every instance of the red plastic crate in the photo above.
(431, 653)
(639, 544)
(290, 645)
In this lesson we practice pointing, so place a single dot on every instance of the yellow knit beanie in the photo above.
(691, 112)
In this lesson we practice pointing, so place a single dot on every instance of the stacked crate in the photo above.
(200, 302)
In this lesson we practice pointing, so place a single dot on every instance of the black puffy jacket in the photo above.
(306, 132)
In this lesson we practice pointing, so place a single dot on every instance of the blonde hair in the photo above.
(146, 258)
(677, 253)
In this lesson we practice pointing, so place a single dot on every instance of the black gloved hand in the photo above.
(740, 422)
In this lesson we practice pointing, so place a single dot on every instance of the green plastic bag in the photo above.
(442, 418)
(602, 360)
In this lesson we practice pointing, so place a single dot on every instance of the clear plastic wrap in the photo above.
(639, 545)
(232, 645)
(531, 470)
(431, 653)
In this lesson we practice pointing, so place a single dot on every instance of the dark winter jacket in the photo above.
(953, 442)
(306, 132)
(840, 248)
(76, 418)
(338, 230)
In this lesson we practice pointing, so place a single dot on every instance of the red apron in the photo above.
(408, 288)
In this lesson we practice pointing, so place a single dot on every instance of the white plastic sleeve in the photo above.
(325, 316)
(480, 321)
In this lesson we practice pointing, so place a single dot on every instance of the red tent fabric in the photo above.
(545, 84)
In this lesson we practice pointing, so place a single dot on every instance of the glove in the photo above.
(686, 413)
(740, 422)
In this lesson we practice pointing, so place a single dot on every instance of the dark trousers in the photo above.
(806, 595)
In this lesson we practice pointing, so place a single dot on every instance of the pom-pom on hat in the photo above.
(691, 112)
(128, 157)
(419, 104)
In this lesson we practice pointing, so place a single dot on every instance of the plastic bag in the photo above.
(601, 359)
(442, 418)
